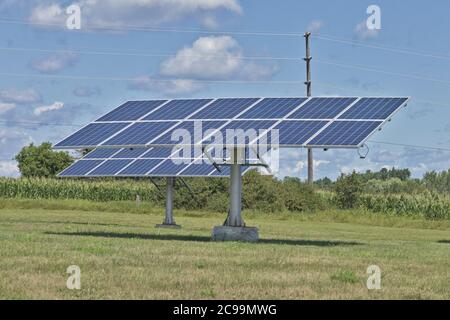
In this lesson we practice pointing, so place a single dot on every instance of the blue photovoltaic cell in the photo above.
(130, 153)
(189, 126)
(80, 168)
(297, 132)
(132, 110)
(198, 169)
(168, 168)
(224, 108)
(159, 153)
(322, 108)
(177, 109)
(92, 135)
(345, 133)
(272, 108)
(251, 130)
(140, 167)
(139, 133)
(373, 108)
(101, 153)
(109, 167)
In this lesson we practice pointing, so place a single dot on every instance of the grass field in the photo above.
(121, 254)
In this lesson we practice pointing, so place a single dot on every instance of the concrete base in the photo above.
(225, 233)
(168, 226)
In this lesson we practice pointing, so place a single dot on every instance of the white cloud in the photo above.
(20, 96)
(213, 58)
(6, 107)
(170, 87)
(9, 169)
(55, 63)
(117, 13)
(364, 33)
(52, 14)
(55, 106)
(315, 26)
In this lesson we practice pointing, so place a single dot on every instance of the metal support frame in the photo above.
(235, 217)
(169, 222)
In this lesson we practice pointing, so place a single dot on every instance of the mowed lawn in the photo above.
(122, 256)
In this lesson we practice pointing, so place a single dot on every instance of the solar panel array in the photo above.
(302, 122)
(147, 162)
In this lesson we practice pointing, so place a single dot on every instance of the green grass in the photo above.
(121, 255)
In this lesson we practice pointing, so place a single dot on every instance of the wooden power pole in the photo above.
(308, 94)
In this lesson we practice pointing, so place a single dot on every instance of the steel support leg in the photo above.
(169, 221)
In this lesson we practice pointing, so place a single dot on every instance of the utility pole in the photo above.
(308, 94)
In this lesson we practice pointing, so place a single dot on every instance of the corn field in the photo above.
(212, 195)
(94, 190)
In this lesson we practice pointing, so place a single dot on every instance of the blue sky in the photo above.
(64, 78)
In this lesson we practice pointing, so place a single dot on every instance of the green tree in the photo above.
(42, 161)
(348, 190)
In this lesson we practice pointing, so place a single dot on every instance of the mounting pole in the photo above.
(308, 94)
(234, 228)
(169, 221)
(235, 217)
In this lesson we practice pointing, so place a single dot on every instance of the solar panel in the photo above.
(225, 108)
(141, 162)
(139, 133)
(132, 110)
(91, 135)
(177, 109)
(158, 126)
(272, 108)
(322, 108)
(373, 108)
(297, 132)
(345, 133)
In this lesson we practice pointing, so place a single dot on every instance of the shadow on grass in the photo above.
(444, 241)
(174, 237)
(70, 222)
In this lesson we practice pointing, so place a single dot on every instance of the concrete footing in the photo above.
(168, 226)
(226, 233)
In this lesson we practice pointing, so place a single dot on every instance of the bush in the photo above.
(348, 189)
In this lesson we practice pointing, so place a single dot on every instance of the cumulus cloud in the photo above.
(206, 59)
(213, 58)
(117, 13)
(54, 63)
(48, 14)
(364, 33)
(4, 107)
(171, 87)
(42, 109)
(20, 96)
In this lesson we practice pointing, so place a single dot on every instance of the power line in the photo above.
(162, 80)
(139, 54)
(410, 145)
(409, 51)
(363, 68)
(157, 29)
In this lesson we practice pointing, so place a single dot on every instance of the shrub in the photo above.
(348, 189)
